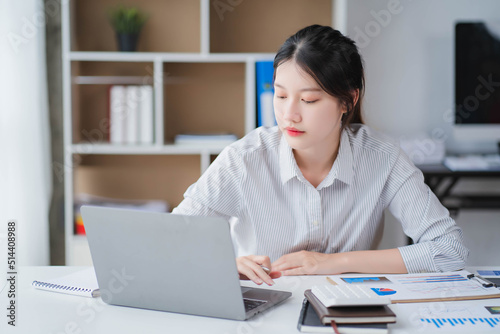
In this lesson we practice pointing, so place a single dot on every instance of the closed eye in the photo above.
(309, 102)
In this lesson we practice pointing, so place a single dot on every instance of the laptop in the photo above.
(170, 262)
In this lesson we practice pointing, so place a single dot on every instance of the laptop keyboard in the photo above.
(250, 304)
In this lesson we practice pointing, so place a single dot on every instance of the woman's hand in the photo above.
(312, 263)
(251, 267)
(308, 263)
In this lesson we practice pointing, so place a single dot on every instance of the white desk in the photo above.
(54, 313)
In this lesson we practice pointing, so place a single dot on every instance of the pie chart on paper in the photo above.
(384, 291)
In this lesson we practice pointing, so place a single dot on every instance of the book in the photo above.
(132, 115)
(82, 283)
(309, 322)
(146, 115)
(350, 314)
(117, 114)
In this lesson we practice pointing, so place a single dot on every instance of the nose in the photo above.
(291, 112)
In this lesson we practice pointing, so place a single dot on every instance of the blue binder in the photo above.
(265, 91)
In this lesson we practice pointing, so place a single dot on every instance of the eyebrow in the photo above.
(312, 89)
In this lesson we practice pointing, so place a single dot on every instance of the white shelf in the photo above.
(113, 80)
(145, 149)
(172, 57)
(76, 245)
(126, 80)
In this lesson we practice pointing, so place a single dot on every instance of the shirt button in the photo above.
(315, 223)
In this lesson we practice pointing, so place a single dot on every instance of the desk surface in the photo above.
(47, 312)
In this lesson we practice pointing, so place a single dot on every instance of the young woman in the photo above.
(307, 196)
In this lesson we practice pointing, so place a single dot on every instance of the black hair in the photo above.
(333, 60)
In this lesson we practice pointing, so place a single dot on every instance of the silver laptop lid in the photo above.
(162, 261)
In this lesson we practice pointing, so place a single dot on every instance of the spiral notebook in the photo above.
(82, 283)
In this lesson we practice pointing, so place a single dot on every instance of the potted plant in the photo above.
(127, 23)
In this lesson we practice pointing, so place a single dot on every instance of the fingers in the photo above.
(286, 262)
(300, 263)
(250, 266)
(275, 274)
(262, 260)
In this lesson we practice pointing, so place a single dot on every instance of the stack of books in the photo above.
(315, 317)
(131, 114)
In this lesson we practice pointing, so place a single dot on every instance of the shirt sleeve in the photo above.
(438, 241)
(218, 191)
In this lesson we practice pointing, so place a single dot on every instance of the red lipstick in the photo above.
(293, 132)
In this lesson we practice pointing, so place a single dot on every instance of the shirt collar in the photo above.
(288, 165)
(342, 168)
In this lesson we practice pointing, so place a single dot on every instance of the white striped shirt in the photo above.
(274, 210)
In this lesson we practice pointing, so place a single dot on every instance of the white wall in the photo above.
(481, 232)
(409, 67)
(409, 61)
(25, 168)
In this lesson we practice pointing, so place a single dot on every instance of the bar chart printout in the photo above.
(448, 323)
(445, 317)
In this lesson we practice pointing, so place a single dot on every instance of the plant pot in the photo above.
(127, 42)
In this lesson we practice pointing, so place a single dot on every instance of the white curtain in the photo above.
(25, 168)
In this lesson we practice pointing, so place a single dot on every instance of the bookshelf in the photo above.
(200, 62)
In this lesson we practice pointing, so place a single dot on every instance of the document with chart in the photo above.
(407, 288)
(456, 317)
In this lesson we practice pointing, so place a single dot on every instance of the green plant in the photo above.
(127, 20)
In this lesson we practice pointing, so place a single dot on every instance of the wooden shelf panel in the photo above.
(173, 25)
(263, 25)
(111, 68)
(164, 177)
(211, 100)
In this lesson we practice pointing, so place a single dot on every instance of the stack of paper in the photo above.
(473, 163)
